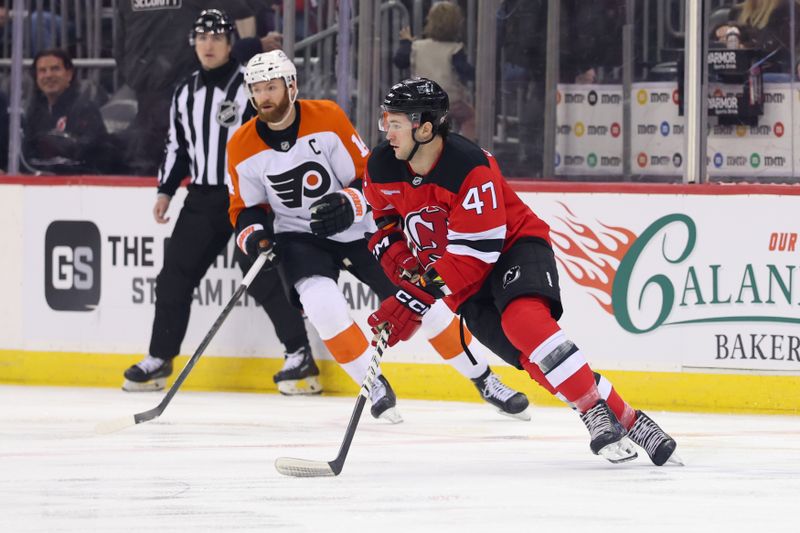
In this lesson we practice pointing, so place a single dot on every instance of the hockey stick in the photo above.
(127, 421)
(289, 466)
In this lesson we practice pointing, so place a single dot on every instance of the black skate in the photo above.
(658, 445)
(384, 401)
(508, 401)
(607, 434)
(149, 374)
(299, 375)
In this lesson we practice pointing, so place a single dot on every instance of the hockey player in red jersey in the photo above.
(303, 161)
(488, 256)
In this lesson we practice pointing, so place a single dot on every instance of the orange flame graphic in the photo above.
(586, 257)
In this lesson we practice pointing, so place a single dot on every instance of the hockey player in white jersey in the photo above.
(303, 161)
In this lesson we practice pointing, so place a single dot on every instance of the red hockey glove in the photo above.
(402, 312)
(390, 249)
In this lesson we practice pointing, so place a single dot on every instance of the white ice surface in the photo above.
(207, 465)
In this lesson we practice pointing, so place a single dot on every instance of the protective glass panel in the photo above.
(752, 80)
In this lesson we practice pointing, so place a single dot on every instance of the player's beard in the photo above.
(278, 112)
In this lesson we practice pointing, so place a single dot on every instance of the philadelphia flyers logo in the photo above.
(309, 179)
(427, 229)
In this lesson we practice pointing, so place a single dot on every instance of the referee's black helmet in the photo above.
(213, 21)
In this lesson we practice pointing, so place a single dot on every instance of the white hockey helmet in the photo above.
(269, 66)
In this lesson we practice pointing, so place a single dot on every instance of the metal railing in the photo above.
(370, 66)
(77, 25)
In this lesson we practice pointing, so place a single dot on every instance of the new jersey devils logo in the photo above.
(512, 275)
(427, 229)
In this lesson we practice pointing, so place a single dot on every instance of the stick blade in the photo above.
(112, 426)
(289, 466)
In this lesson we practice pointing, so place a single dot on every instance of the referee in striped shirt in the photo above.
(206, 109)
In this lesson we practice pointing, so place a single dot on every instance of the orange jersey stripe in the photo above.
(448, 343)
(244, 143)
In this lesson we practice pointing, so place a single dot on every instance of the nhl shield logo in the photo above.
(227, 113)
(416, 181)
(425, 88)
(511, 275)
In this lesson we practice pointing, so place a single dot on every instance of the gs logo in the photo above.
(427, 230)
(72, 265)
(310, 180)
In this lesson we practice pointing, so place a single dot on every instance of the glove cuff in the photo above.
(241, 238)
(357, 202)
(384, 240)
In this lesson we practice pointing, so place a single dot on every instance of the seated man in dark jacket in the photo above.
(63, 131)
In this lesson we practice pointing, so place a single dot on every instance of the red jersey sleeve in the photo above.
(381, 206)
(476, 230)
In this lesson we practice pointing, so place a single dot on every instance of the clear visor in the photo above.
(394, 121)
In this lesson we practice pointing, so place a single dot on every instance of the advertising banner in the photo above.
(589, 130)
(91, 258)
(588, 140)
(679, 283)
(664, 282)
(657, 141)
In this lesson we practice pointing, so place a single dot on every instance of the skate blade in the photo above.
(392, 415)
(154, 385)
(675, 460)
(300, 387)
(619, 452)
(523, 415)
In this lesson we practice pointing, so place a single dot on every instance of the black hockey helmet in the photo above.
(213, 21)
(422, 99)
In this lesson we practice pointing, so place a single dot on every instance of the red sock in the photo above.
(527, 323)
(624, 412)
(536, 373)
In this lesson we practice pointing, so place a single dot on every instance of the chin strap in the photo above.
(417, 143)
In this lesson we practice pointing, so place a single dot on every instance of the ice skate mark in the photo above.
(591, 257)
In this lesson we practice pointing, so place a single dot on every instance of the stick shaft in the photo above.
(369, 380)
(249, 277)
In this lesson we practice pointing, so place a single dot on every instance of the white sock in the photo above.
(465, 367)
(357, 368)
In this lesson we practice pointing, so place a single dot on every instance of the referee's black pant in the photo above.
(201, 232)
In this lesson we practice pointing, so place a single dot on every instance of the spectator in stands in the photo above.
(440, 56)
(63, 132)
(765, 25)
(152, 56)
